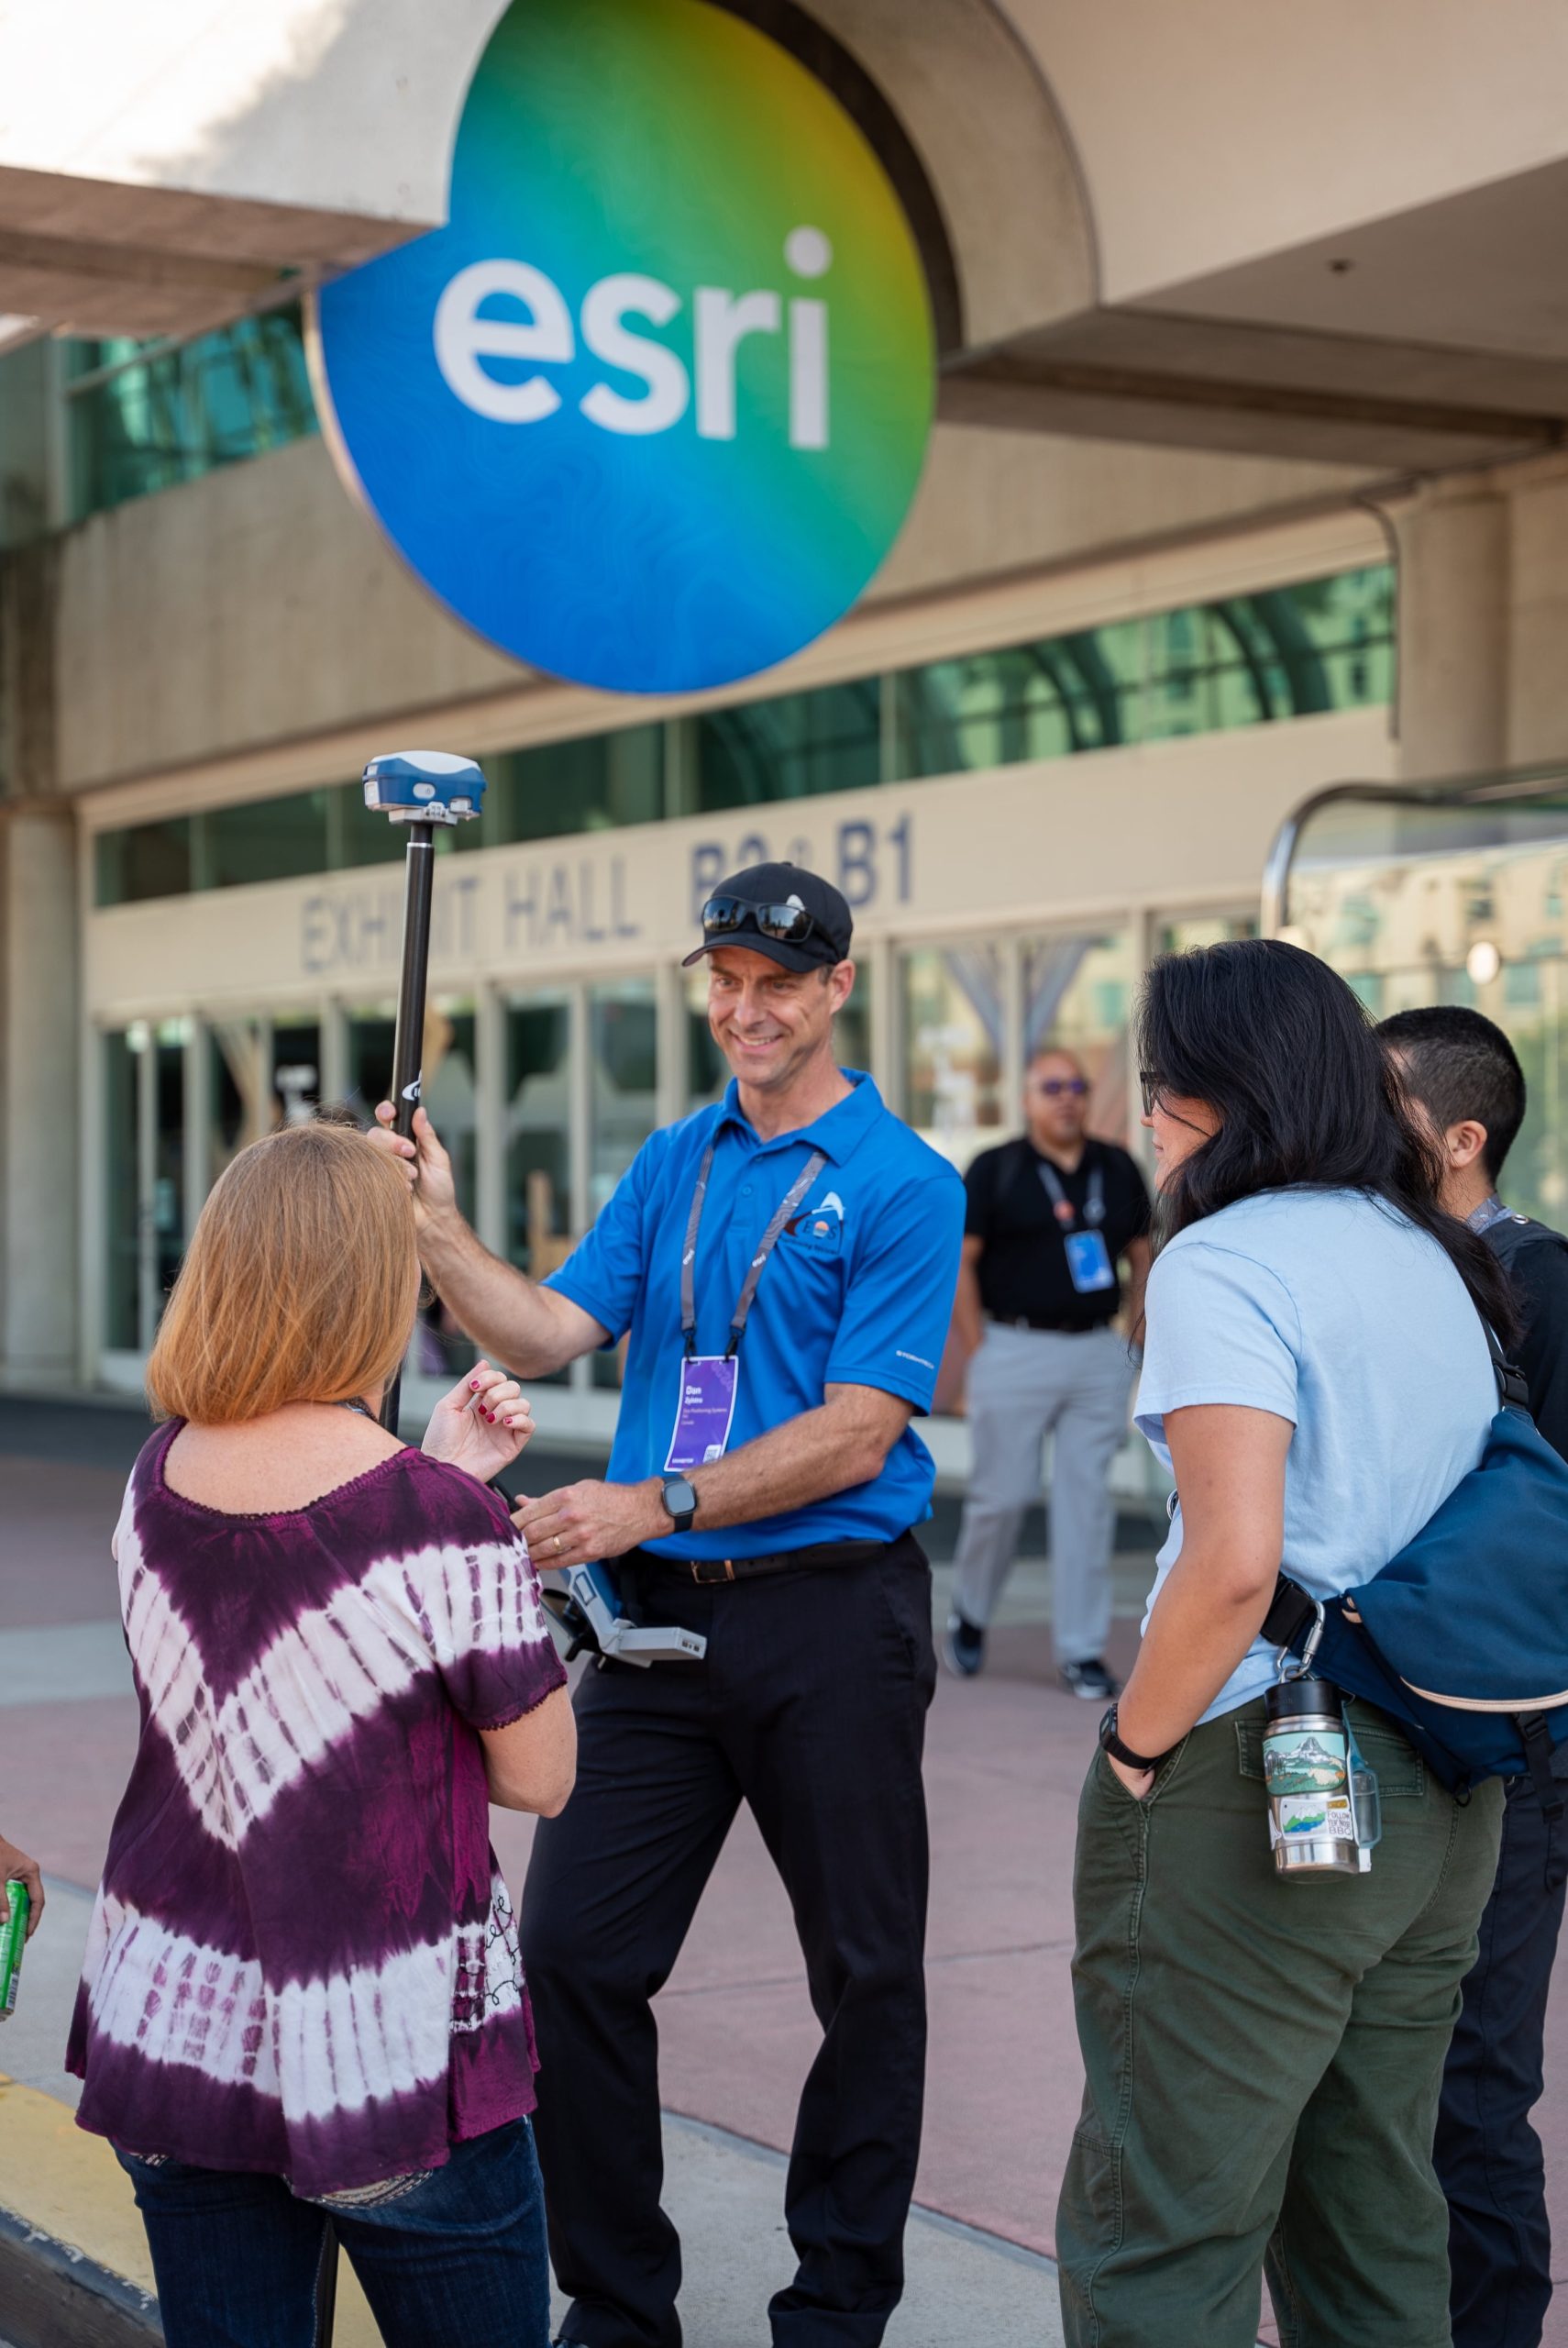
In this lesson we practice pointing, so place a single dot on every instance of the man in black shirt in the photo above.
(1051, 1217)
(1462, 1072)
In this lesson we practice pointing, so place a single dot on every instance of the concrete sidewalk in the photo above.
(1006, 1755)
(725, 2192)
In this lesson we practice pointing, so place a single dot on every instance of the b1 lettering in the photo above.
(465, 335)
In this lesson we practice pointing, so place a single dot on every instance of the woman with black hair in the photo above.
(1264, 2054)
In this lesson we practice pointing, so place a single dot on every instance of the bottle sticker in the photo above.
(1311, 1814)
(1305, 1761)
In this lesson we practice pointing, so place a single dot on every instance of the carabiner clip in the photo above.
(1309, 1651)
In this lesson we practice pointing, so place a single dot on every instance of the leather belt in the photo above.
(710, 1572)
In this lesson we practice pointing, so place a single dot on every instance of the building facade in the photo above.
(1209, 524)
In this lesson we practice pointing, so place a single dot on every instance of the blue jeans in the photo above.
(458, 2256)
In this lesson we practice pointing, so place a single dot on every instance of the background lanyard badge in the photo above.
(1089, 1267)
(709, 1381)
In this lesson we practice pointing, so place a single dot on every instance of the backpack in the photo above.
(1462, 1638)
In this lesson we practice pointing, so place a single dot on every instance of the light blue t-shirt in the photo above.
(1332, 1309)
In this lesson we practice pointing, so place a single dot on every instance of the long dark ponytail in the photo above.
(1306, 1095)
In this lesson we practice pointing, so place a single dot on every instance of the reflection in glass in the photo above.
(1077, 992)
(623, 1046)
(1458, 902)
(586, 785)
(953, 1025)
(1243, 660)
(264, 839)
(164, 1211)
(790, 747)
(143, 418)
(371, 1035)
(122, 1052)
(296, 1068)
(1203, 929)
(442, 1347)
(240, 1089)
(538, 1168)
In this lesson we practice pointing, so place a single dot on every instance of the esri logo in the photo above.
(649, 411)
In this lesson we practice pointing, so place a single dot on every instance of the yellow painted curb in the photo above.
(69, 2185)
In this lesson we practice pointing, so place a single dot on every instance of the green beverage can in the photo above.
(12, 1937)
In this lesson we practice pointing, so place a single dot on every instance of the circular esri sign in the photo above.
(649, 411)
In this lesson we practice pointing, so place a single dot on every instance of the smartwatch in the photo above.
(1110, 1743)
(681, 1500)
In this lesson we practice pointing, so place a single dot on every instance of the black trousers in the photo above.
(811, 1707)
(1487, 2155)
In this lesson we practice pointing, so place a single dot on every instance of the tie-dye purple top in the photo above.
(302, 1959)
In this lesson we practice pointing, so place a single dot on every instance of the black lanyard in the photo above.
(781, 1214)
(1094, 1206)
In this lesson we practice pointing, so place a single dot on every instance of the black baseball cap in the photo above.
(793, 916)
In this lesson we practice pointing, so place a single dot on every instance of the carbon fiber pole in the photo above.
(408, 1046)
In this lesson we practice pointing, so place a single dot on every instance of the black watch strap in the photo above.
(680, 1499)
(1110, 1743)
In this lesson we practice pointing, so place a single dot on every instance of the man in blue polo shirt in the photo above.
(784, 1267)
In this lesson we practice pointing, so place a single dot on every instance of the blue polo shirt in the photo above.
(858, 1293)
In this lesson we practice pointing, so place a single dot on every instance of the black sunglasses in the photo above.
(721, 915)
(1152, 1087)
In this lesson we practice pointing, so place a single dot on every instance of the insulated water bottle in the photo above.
(1306, 1758)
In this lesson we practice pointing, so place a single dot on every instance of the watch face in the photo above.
(679, 1497)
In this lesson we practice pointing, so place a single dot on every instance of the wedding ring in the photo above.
(556, 1543)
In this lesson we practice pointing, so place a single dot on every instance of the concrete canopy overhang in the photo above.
(1319, 237)
(167, 167)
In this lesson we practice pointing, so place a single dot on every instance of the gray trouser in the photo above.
(1023, 1385)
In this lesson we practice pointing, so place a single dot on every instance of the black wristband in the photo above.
(1110, 1743)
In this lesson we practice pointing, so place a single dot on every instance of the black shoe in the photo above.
(1091, 1681)
(964, 1648)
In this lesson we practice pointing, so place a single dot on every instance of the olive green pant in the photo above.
(1263, 2057)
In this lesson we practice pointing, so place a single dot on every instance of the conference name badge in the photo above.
(1088, 1262)
(706, 1411)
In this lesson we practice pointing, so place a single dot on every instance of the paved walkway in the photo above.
(1006, 1756)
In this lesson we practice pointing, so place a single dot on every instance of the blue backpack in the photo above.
(1462, 1637)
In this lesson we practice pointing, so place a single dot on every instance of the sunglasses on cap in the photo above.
(792, 923)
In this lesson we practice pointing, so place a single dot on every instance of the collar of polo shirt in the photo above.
(837, 1133)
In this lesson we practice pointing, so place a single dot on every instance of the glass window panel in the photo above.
(791, 748)
(1026, 701)
(296, 1068)
(143, 860)
(442, 1346)
(622, 1043)
(707, 1071)
(162, 416)
(589, 785)
(357, 834)
(264, 839)
(953, 1022)
(1078, 991)
(538, 1131)
(371, 1033)
(1178, 937)
(851, 1028)
(168, 1201)
(241, 1097)
(121, 1188)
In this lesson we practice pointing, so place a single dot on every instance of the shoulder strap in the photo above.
(1511, 1231)
(1512, 1389)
